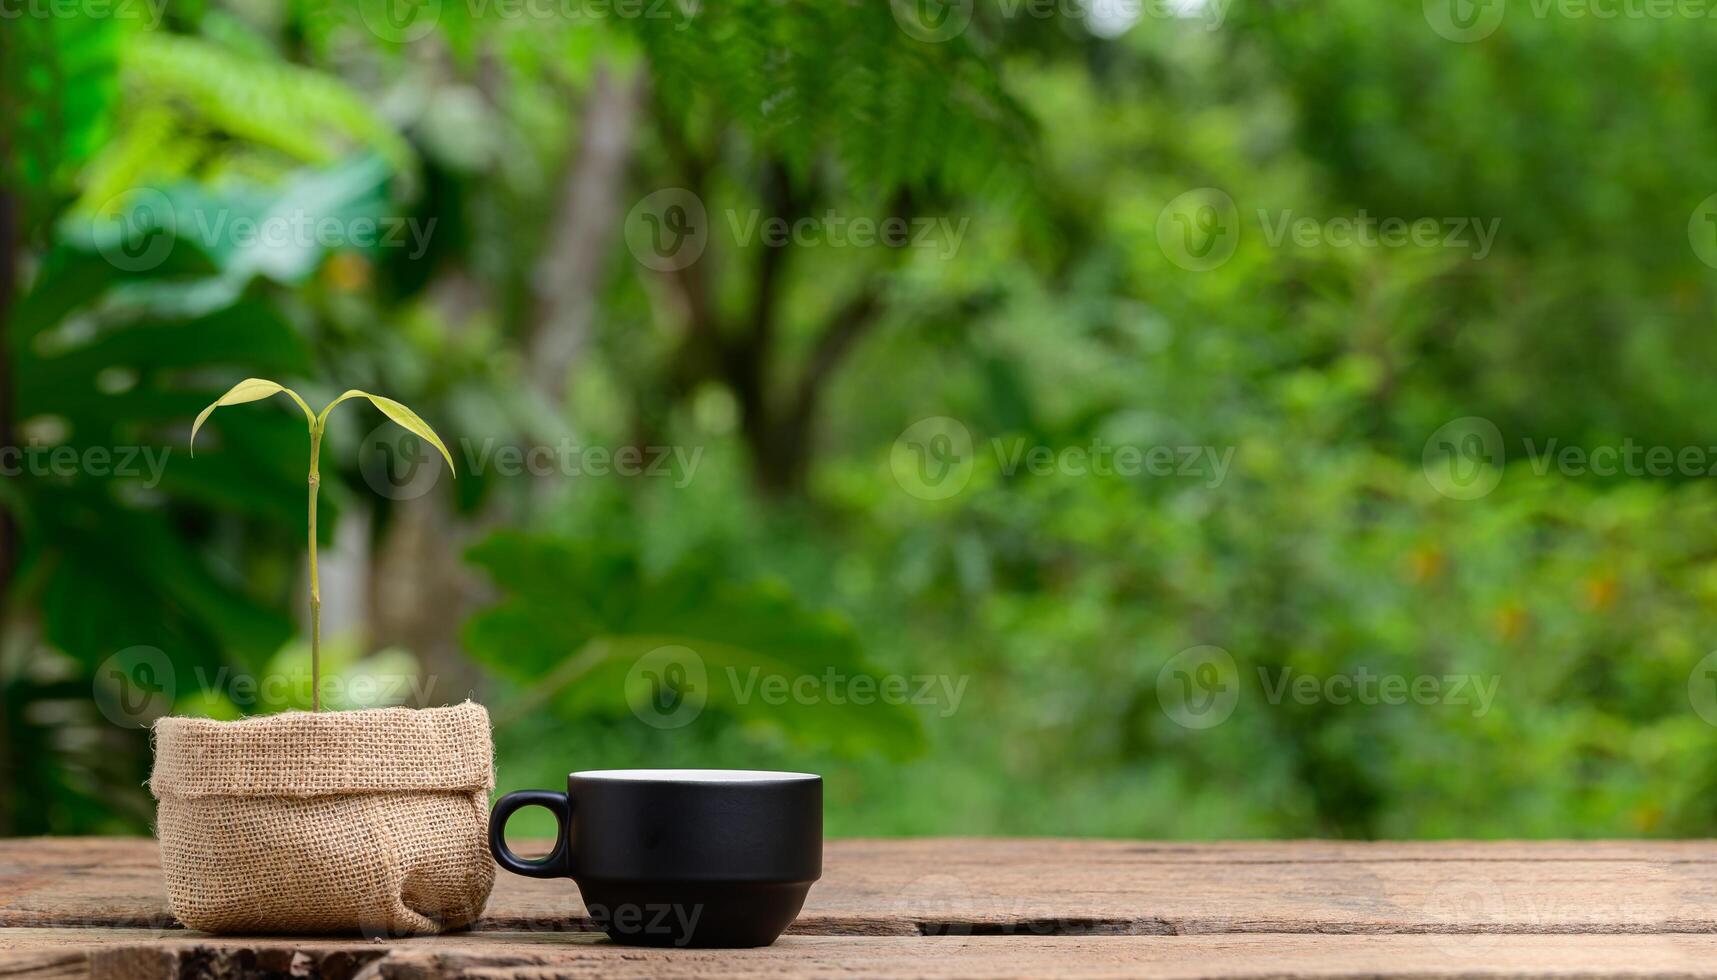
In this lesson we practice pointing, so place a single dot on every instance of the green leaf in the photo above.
(405, 417)
(249, 390)
(249, 336)
(305, 114)
(577, 618)
(207, 223)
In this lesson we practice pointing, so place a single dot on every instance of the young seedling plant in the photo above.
(256, 389)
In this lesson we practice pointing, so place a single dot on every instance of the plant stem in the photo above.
(315, 583)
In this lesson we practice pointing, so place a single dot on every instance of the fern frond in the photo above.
(810, 79)
(308, 115)
(194, 109)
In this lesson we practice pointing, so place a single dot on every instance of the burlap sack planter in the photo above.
(352, 821)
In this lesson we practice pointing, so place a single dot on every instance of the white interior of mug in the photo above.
(695, 775)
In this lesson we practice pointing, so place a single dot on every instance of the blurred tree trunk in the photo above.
(565, 283)
(777, 421)
(9, 244)
(421, 591)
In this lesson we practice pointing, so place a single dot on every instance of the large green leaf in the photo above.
(244, 231)
(402, 416)
(114, 577)
(249, 390)
(583, 616)
(193, 106)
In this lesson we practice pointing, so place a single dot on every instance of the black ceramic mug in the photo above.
(680, 857)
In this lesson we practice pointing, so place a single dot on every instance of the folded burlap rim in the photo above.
(326, 753)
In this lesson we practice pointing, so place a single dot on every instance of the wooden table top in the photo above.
(75, 907)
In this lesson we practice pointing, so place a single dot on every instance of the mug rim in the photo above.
(701, 777)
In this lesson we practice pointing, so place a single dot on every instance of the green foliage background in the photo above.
(792, 547)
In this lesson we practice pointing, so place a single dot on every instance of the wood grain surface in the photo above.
(946, 907)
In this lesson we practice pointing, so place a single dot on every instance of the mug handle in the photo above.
(558, 862)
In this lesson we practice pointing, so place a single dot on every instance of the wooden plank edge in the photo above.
(537, 956)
